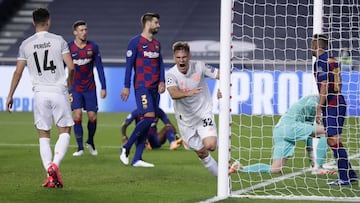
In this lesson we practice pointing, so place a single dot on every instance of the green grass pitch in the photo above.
(178, 175)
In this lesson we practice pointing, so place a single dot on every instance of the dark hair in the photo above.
(181, 46)
(322, 40)
(78, 23)
(40, 16)
(148, 17)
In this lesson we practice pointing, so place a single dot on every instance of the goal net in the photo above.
(271, 64)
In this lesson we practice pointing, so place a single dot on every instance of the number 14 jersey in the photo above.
(43, 53)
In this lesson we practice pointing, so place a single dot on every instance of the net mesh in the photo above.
(272, 64)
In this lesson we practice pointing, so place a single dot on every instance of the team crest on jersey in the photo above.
(196, 77)
(89, 53)
(128, 53)
(169, 81)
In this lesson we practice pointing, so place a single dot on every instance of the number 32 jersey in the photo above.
(43, 53)
(191, 110)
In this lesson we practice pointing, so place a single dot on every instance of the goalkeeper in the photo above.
(297, 124)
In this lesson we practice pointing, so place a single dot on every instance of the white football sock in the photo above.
(211, 165)
(45, 152)
(61, 147)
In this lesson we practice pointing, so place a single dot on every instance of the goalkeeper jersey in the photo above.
(302, 111)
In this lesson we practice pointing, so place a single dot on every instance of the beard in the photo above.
(154, 31)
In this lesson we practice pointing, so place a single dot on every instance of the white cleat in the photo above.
(141, 163)
(123, 157)
(93, 151)
(329, 166)
(78, 153)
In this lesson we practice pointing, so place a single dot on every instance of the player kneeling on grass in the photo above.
(155, 139)
(297, 124)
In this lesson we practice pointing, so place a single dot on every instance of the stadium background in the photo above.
(113, 23)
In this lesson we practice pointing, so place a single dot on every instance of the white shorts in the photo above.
(192, 136)
(49, 106)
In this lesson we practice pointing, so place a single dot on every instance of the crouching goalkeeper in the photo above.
(297, 124)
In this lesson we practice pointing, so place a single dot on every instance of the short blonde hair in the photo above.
(181, 46)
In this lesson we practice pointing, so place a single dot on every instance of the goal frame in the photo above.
(224, 180)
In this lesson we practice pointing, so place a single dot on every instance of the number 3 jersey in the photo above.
(43, 53)
(191, 110)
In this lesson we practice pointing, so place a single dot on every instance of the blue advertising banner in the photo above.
(253, 92)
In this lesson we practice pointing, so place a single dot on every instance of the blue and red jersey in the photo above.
(84, 60)
(145, 58)
(327, 69)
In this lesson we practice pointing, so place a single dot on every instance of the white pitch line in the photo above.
(37, 145)
(271, 181)
(278, 179)
(23, 123)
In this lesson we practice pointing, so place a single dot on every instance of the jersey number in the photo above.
(207, 122)
(144, 101)
(52, 67)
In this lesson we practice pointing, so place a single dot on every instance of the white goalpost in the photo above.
(265, 67)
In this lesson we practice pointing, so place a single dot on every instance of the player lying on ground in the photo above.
(155, 139)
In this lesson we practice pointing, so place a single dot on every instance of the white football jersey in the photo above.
(43, 54)
(190, 110)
